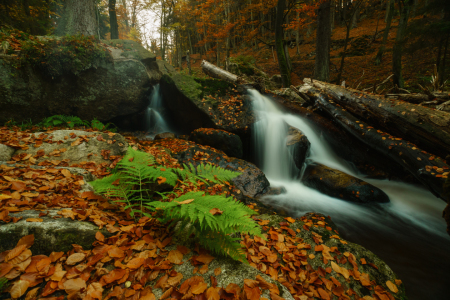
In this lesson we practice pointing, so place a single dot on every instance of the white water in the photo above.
(397, 231)
(155, 123)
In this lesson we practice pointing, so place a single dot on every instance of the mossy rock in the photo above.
(49, 235)
(132, 49)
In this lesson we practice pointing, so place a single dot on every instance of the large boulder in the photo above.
(118, 85)
(52, 232)
(6, 152)
(73, 146)
(340, 185)
(298, 145)
(251, 183)
(222, 140)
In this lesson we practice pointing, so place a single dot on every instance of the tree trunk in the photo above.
(429, 129)
(188, 61)
(216, 72)
(341, 69)
(297, 36)
(398, 46)
(113, 20)
(323, 41)
(124, 4)
(389, 16)
(282, 59)
(78, 17)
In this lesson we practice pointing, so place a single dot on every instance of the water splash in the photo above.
(154, 121)
(395, 231)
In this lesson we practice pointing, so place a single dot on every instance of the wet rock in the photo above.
(340, 185)
(227, 142)
(298, 144)
(6, 152)
(52, 234)
(164, 135)
(252, 181)
(64, 144)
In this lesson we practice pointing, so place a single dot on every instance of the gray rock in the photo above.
(79, 153)
(298, 145)
(340, 185)
(118, 86)
(6, 152)
(50, 234)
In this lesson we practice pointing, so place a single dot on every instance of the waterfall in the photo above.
(393, 230)
(154, 122)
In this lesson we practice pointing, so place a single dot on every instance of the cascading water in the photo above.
(155, 123)
(408, 233)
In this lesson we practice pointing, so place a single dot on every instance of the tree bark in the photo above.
(404, 6)
(113, 20)
(282, 58)
(78, 17)
(323, 41)
(429, 129)
(124, 4)
(216, 72)
(389, 16)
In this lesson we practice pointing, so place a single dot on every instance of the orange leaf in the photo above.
(251, 283)
(19, 288)
(4, 197)
(290, 220)
(75, 258)
(135, 263)
(34, 220)
(215, 211)
(217, 271)
(66, 173)
(185, 201)
(27, 240)
(252, 293)
(175, 257)
(213, 293)
(199, 288)
(74, 285)
(161, 180)
(116, 252)
(31, 295)
(323, 294)
(392, 286)
(15, 252)
(99, 236)
(166, 294)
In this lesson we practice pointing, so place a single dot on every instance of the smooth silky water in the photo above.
(408, 233)
(154, 122)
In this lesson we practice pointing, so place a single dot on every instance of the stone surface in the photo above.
(6, 152)
(298, 145)
(78, 153)
(164, 135)
(340, 185)
(119, 86)
(227, 142)
(290, 95)
(50, 234)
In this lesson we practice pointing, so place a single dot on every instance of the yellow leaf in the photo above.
(392, 286)
(185, 201)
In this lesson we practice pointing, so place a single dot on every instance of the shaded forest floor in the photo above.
(359, 68)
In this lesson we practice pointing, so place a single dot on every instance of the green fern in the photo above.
(3, 284)
(136, 172)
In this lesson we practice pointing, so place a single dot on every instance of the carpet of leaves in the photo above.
(141, 256)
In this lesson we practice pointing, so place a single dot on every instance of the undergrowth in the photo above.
(62, 121)
(213, 219)
(3, 284)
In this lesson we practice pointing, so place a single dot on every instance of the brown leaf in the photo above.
(114, 275)
(74, 285)
(174, 281)
(15, 252)
(99, 236)
(275, 296)
(251, 283)
(149, 296)
(392, 286)
(213, 293)
(263, 283)
(66, 173)
(323, 294)
(27, 240)
(54, 256)
(290, 220)
(32, 295)
(205, 258)
(19, 288)
(75, 258)
(199, 288)
(203, 269)
(217, 271)
(135, 263)
(166, 294)
(252, 293)
(175, 257)
(185, 201)
(215, 211)
(5, 268)
(34, 220)
(116, 252)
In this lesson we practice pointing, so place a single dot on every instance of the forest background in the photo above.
(361, 42)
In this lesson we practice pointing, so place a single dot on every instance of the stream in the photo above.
(408, 233)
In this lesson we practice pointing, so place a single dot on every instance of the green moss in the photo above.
(214, 87)
(132, 49)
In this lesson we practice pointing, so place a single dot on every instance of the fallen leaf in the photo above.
(15, 252)
(34, 220)
(392, 286)
(19, 288)
(185, 201)
(175, 257)
(199, 288)
(215, 211)
(75, 258)
(27, 240)
(74, 285)
(99, 236)
(217, 271)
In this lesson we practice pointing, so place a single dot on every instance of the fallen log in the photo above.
(219, 73)
(430, 170)
(419, 98)
(429, 129)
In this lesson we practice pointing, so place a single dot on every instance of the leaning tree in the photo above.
(78, 17)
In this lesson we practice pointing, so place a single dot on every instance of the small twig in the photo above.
(408, 92)
(359, 78)
(378, 85)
